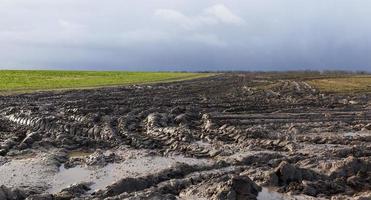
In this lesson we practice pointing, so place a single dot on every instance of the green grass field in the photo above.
(20, 81)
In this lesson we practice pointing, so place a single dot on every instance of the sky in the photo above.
(185, 35)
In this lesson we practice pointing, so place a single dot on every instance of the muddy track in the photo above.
(285, 136)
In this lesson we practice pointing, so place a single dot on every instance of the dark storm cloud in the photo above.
(186, 35)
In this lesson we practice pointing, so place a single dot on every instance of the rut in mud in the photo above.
(224, 137)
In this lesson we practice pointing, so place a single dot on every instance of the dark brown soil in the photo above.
(254, 131)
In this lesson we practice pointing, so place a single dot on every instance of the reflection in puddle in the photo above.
(66, 177)
(267, 194)
(79, 154)
(356, 134)
(24, 156)
(102, 177)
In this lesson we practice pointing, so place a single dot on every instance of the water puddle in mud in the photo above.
(24, 156)
(104, 176)
(28, 171)
(79, 154)
(356, 134)
(69, 176)
(267, 194)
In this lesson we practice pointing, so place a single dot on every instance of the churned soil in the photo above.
(229, 136)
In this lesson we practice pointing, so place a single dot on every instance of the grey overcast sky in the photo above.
(185, 34)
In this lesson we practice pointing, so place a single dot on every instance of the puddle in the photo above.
(102, 177)
(356, 134)
(267, 194)
(69, 176)
(24, 156)
(78, 154)
(41, 171)
(26, 172)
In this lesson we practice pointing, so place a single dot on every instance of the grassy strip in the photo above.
(351, 84)
(20, 81)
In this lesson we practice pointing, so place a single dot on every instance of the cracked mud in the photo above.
(221, 137)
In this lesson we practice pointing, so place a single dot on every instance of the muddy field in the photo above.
(231, 136)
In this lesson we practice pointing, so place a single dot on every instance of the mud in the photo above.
(231, 136)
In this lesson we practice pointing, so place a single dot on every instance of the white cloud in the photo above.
(172, 15)
(214, 15)
(184, 21)
(222, 13)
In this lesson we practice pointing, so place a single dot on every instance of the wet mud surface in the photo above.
(224, 137)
